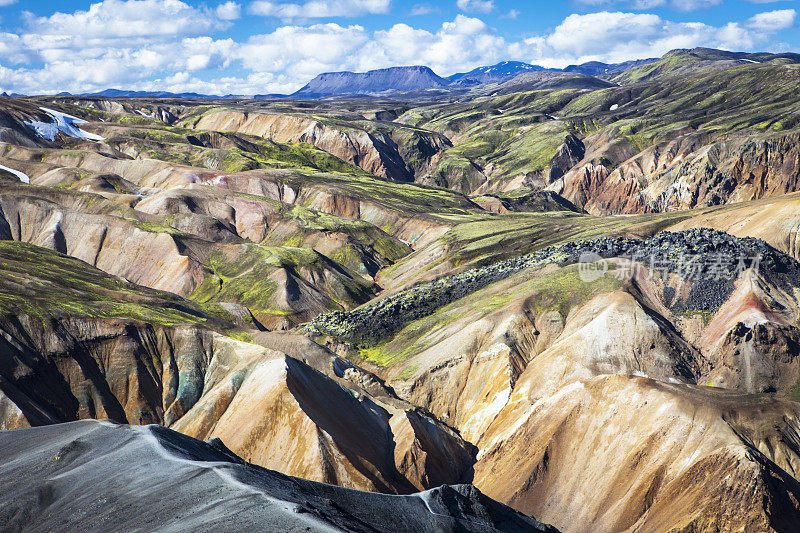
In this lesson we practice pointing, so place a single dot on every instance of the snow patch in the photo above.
(614, 107)
(62, 123)
(147, 191)
(21, 175)
(750, 61)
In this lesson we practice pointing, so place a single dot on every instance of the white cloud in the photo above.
(129, 18)
(229, 11)
(584, 34)
(475, 6)
(7, 2)
(87, 69)
(197, 62)
(456, 45)
(319, 8)
(773, 20)
(617, 36)
(304, 51)
(14, 51)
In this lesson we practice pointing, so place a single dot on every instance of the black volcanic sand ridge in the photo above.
(99, 476)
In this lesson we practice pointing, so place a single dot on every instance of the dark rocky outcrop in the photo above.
(670, 252)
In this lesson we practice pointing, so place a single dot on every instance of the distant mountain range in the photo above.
(422, 78)
(121, 93)
(394, 79)
(419, 78)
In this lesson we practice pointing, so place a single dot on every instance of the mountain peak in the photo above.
(494, 73)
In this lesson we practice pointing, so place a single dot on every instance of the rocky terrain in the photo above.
(569, 296)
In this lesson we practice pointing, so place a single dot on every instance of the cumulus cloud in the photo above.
(773, 20)
(617, 36)
(131, 18)
(229, 11)
(319, 8)
(463, 42)
(7, 2)
(14, 50)
(304, 51)
(116, 43)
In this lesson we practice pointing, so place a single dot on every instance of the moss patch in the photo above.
(43, 283)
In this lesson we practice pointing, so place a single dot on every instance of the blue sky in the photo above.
(263, 46)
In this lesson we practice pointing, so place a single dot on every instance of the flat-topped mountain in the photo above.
(375, 81)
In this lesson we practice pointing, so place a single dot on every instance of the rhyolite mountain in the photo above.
(394, 79)
(574, 295)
